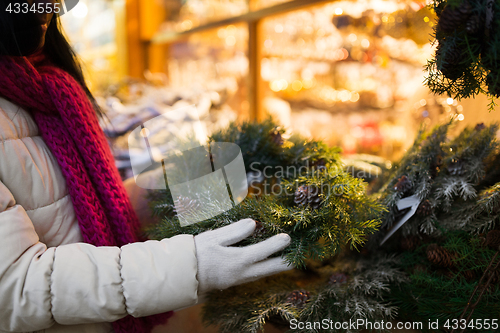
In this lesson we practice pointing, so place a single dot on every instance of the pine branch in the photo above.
(447, 174)
(249, 307)
(256, 323)
(447, 289)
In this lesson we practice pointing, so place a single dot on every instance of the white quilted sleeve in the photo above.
(79, 283)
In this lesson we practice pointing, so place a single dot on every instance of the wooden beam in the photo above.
(152, 15)
(169, 37)
(157, 58)
(255, 91)
(135, 45)
(121, 38)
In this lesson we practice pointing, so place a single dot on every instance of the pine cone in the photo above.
(404, 184)
(308, 195)
(479, 127)
(451, 18)
(450, 55)
(259, 230)
(454, 55)
(184, 205)
(473, 25)
(439, 256)
(448, 58)
(469, 275)
(319, 164)
(456, 168)
(425, 208)
(338, 278)
(410, 243)
(493, 240)
(277, 138)
(298, 298)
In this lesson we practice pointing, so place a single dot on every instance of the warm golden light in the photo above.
(308, 83)
(230, 40)
(354, 97)
(187, 24)
(297, 85)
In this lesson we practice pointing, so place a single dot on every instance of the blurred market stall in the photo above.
(346, 72)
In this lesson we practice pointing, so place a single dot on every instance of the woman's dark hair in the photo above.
(20, 35)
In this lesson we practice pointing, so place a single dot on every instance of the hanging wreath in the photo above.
(466, 61)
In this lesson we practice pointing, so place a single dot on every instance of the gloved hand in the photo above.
(221, 266)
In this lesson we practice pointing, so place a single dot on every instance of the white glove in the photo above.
(221, 266)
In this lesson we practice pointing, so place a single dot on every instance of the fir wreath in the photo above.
(335, 214)
(467, 61)
(448, 247)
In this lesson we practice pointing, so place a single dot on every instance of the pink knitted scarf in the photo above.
(70, 128)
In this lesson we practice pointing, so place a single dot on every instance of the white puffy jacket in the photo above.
(52, 282)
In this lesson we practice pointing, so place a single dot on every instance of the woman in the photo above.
(70, 260)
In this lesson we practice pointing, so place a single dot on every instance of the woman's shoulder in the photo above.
(30, 173)
(15, 122)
